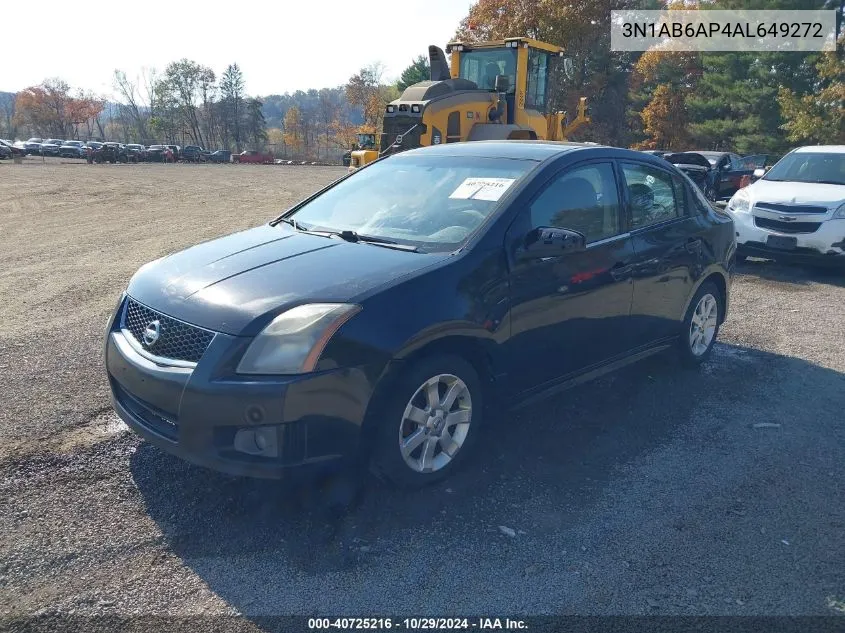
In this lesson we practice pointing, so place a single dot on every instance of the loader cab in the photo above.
(531, 67)
(366, 141)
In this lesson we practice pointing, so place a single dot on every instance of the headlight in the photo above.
(294, 340)
(839, 214)
(740, 202)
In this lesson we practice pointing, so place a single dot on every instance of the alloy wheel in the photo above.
(435, 423)
(703, 324)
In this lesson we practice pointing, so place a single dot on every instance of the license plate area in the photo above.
(782, 243)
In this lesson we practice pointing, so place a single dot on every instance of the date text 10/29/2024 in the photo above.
(416, 624)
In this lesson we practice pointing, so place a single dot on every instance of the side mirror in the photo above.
(547, 241)
(502, 83)
(759, 172)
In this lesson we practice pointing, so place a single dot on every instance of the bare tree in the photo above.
(132, 106)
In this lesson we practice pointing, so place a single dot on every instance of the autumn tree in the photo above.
(660, 85)
(818, 117)
(365, 90)
(293, 130)
(50, 109)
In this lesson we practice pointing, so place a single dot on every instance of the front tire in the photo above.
(429, 422)
(701, 325)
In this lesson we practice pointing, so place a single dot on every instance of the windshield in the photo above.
(815, 167)
(481, 66)
(367, 140)
(433, 202)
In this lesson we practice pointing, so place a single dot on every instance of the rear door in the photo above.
(571, 311)
(667, 238)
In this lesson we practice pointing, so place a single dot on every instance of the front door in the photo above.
(571, 311)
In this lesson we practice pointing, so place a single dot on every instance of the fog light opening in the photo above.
(261, 441)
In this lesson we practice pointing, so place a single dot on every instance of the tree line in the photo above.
(745, 102)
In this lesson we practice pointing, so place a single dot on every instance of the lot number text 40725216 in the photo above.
(416, 624)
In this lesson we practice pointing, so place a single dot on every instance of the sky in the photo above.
(280, 45)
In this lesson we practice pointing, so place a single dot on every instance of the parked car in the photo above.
(11, 150)
(220, 156)
(33, 146)
(384, 317)
(194, 154)
(730, 168)
(111, 153)
(137, 152)
(252, 156)
(796, 210)
(51, 146)
(72, 149)
(155, 153)
(698, 168)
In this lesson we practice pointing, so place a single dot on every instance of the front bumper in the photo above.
(196, 412)
(824, 244)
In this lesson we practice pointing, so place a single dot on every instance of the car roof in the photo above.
(517, 149)
(824, 149)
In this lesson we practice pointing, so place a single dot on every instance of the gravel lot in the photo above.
(653, 491)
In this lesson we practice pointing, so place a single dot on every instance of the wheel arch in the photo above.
(720, 279)
(476, 350)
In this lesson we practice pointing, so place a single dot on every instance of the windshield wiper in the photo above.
(352, 236)
(828, 182)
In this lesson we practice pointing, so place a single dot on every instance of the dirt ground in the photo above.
(652, 491)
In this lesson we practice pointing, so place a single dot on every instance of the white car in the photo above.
(796, 211)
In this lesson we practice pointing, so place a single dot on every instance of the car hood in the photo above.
(238, 283)
(809, 193)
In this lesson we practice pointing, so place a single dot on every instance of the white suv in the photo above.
(797, 210)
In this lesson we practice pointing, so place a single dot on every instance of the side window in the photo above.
(651, 195)
(538, 62)
(583, 199)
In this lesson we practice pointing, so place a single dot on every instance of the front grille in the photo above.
(401, 124)
(789, 208)
(786, 227)
(177, 340)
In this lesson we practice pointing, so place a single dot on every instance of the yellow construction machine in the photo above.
(494, 90)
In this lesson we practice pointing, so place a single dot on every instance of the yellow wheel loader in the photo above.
(494, 90)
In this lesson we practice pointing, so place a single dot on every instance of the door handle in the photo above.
(693, 245)
(621, 271)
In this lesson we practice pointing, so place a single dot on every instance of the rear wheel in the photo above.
(429, 422)
(701, 325)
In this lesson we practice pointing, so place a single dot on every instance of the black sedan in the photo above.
(384, 318)
(730, 169)
(51, 147)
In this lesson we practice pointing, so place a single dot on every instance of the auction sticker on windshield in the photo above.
(482, 189)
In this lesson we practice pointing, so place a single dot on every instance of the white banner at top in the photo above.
(739, 30)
